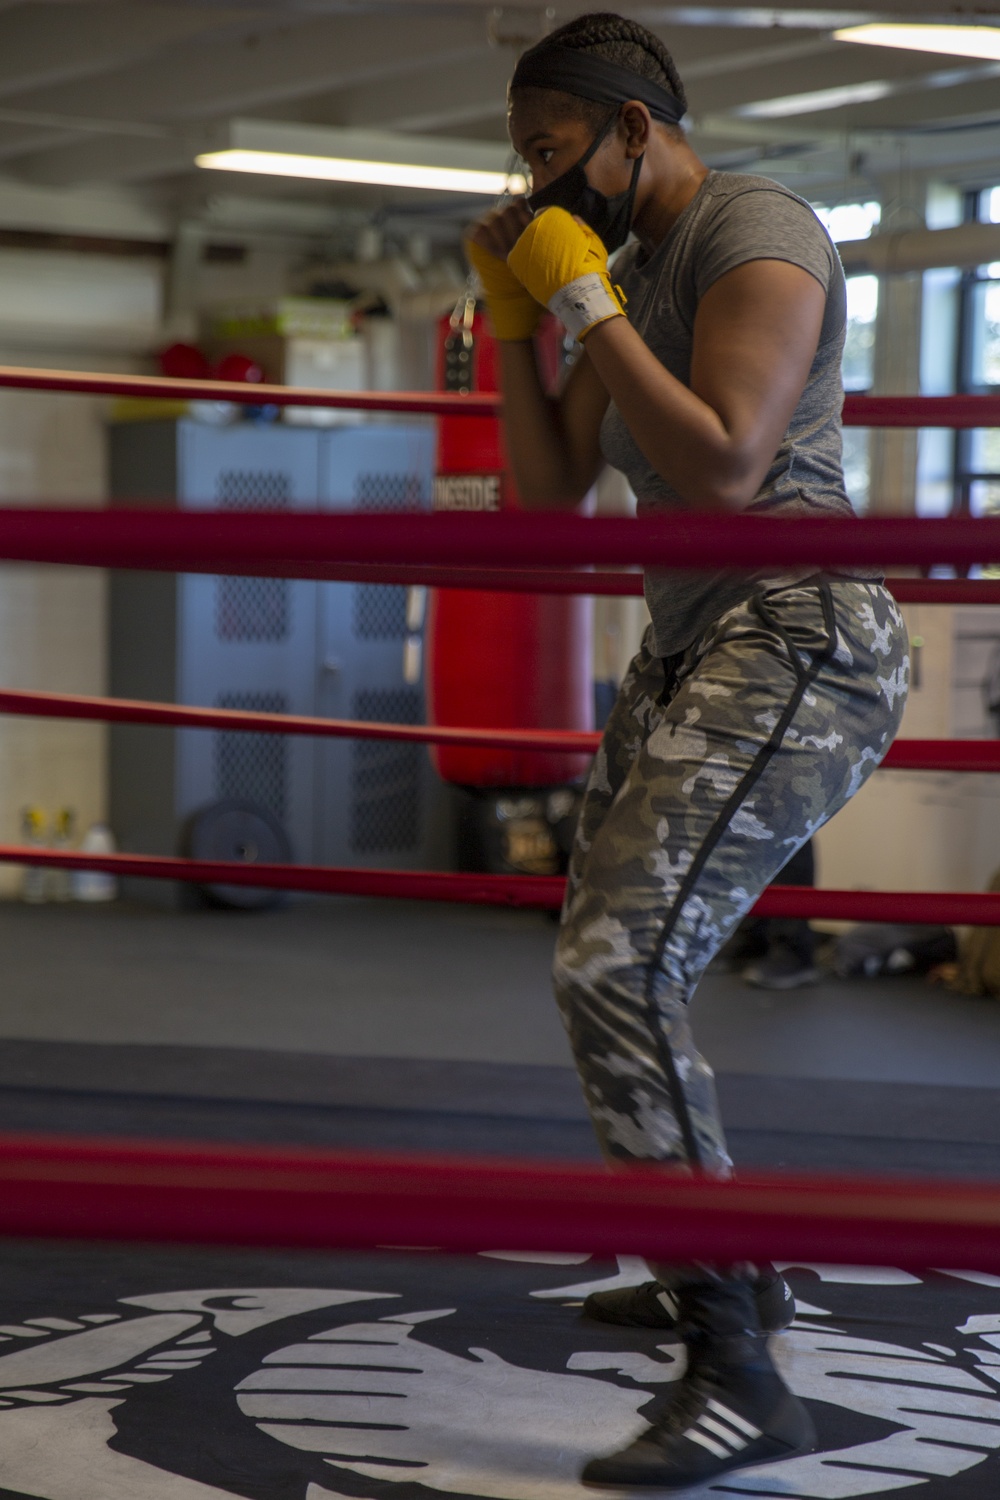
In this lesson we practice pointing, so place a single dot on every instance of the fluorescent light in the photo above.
(819, 99)
(383, 158)
(378, 173)
(956, 41)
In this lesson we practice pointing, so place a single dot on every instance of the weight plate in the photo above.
(241, 831)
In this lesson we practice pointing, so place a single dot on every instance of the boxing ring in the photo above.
(141, 1190)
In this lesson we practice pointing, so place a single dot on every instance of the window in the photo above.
(849, 221)
(939, 320)
(856, 221)
(858, 372)
(859, 346)
(977, 453)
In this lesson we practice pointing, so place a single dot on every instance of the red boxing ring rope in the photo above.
(278, 545)
(261, 1195)
(534, 892)
(531, 892)
(598, 582)
(587, 581)
(904, 755)
(921, 411)
(85, 383)
(601, 583)
(859, 411)
(134, 711)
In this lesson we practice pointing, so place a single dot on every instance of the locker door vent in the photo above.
(379, 612)
(385, 778)
(253, 767)
(253, 489)
(391, 491)
(253, 609)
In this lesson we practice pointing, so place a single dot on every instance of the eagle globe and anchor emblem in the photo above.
(375, 1390)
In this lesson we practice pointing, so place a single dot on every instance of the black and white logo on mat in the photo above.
(383, 1388)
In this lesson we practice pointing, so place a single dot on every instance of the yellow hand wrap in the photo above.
(514, 312)
(563, 264)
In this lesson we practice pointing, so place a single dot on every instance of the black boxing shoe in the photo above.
(654, 1305)
(724, 1416)
(730, 1410)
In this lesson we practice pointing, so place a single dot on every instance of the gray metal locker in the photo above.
(340, 650)
(197, 639)
(377, 798)
(248, 643)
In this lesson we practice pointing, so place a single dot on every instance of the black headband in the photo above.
(591, 77)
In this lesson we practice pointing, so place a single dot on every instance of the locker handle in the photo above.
(412, 659)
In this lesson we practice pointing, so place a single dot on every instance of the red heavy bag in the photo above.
(505, 661)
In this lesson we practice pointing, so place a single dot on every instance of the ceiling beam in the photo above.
(838, 65)
(433, 98)
(820, 14)
(15, 140)
(476, 91)
(413, 67)
(954, 98)
(108, 212)
(840, 168)
(107, 160)
(208, 83)
(47, 46)
(217, 80)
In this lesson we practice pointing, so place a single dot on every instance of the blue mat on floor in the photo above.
(239, 1094)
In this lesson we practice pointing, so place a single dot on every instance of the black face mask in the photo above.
(609, 218)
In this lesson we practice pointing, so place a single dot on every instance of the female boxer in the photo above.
(709, 373)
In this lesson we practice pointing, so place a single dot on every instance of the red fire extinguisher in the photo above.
(498, 660)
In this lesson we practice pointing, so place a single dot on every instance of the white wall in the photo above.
(64, 311)
(925, 830)
(52, 620)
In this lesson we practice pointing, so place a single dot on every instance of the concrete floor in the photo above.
(408, 980)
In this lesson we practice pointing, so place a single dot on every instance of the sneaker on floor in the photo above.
(781, 968)
(723, 1416)
(653, 1305)
(748, 943)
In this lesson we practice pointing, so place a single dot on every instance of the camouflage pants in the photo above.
(715, 767)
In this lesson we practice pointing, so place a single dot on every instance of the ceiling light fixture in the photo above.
(375, 173)
(376, 158)
(818, 100)
(953, 41)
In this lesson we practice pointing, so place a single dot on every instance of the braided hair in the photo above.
(620, 41)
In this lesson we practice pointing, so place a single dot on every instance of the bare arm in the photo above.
(552, 441)
(755, 336)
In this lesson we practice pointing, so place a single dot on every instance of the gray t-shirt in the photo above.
(732, 219)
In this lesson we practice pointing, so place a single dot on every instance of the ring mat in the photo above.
(145, 1373)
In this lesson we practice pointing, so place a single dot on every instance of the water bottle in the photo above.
(60, 881)
(94, 885)
(34, 883)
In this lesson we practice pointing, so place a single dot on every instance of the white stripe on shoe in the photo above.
(734, 1418)
(669, 1303)
(716, 1449)
(735, 1440)
(725, 1434)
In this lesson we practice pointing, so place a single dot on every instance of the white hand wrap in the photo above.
(581, 303)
